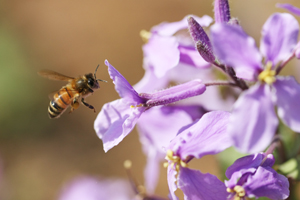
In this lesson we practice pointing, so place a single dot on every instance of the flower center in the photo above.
(239, 192)
(175, 161)
(145, 35)
(268, 75)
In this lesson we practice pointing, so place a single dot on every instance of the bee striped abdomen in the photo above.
(61, 100)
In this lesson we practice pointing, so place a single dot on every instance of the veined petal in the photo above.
(279, 37)
(122, 86)
(250, 161)
(239, 177)
(157, 120)
(236, 49)
(163, 53)
(289, 7)
(207, 136)
(287, 97)
(196, 186)
(115, 121)
(266, 182)
(155, 133)
(253, 121)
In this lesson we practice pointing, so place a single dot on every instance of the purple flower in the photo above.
(201, 40)
(253, 121)
(222, 11)
(118, 118)
(295, 11)
(253, 176)
(156, 133)
(206, 136)
(290, 8)
(166, 46)
(91, 188)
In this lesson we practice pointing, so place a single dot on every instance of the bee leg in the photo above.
(87, 105)
(74, 105)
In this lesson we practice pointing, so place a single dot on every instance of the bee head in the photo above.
(91, 81)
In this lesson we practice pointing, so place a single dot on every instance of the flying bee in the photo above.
(76, 90)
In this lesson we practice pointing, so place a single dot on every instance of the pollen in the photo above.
(239, 192)
(137, 106)
(145, 35)
(174, 161)
(268, 75)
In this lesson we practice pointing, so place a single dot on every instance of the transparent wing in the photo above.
(54, 75)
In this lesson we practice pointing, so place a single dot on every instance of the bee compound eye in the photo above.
(91, 82)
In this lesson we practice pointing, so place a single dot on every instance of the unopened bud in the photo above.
(201, 40)
(222, 11)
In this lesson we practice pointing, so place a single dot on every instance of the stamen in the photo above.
(127, 164)
(268, 75)
(239, 192)
(175, 161)
(145, 35)
(137, 106)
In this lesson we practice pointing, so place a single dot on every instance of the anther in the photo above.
(145, 35)
(175, 161)
(268, 75)
(137, 106)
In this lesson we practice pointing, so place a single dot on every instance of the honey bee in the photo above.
(76, 90)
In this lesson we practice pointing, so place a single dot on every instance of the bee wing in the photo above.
(54, 75)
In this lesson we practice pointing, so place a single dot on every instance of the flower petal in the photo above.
(157, 120)
(115, 121)
(196, 185)
(150, 83)
(152, 169)
(287, 97)
(266, 182)
(253, 121)
(289, 7)
(250, 161)
(279, 37)
(90, 188)
(169, 29)
(172, 182)
(189, 56)
(151, 125)
(163, 53)
(236, 49)
(207, 136)
(122, 86)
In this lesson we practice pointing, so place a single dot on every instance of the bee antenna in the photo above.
(102, 80)
(95, 75)
(96, 71)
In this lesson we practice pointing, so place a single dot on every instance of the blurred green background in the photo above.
(39, 155)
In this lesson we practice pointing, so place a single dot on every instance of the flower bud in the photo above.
(201, 40)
